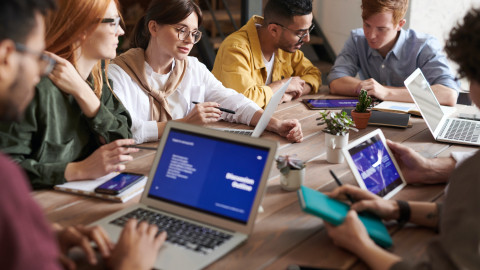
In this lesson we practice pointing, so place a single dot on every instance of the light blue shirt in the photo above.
(411, 51)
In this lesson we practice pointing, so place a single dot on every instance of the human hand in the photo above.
(366, 201)
(286, 98)
(106, 159)
(137, 247)
(66, 77)
(295, 88)
(373, 88)
(81, 236)
(351, 234)
(414, 167)
(204, 113)
(290, 129)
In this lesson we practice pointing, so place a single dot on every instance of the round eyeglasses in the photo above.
(45, 62)
(184, 33)
(114, 22)
(300, 33)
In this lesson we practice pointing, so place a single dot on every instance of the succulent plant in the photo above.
(364, 101)
(337, 123)
(287, 163)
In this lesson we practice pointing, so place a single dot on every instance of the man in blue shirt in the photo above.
(384, 55)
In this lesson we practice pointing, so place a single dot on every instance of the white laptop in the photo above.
(266, 116)
(204, 189)
(443, 128)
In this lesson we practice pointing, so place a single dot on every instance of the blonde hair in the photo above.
(397, 7)
(68, 23)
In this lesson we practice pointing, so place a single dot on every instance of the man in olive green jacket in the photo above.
(257, 59)
(54, 132)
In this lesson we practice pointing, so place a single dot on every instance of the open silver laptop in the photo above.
(443, 128)
(266, 116)
(204, 189)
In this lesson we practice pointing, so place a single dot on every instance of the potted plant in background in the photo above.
(362, 114)
(336, 137)
(292, 172)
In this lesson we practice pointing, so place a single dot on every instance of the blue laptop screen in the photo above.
(208, 174)
(375, 166)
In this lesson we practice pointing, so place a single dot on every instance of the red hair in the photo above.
(66, 26)
(397, 7)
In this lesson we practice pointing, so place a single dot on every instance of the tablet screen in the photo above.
(375, 166)
(330, 103)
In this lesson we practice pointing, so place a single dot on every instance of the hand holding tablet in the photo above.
(373, 165)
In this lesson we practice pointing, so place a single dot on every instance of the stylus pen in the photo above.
(340, 184)
(220, 108)
(141, 147)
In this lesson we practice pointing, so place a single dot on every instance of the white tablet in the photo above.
(373, 165)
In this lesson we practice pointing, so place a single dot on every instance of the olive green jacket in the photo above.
(55, 132)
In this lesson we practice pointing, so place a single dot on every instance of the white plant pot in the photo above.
(334, 146)
(293, 180)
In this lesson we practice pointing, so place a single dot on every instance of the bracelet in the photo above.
(404, 212)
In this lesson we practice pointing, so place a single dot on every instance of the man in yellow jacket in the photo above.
(257, 59)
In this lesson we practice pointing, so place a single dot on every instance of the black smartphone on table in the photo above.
(119, 183)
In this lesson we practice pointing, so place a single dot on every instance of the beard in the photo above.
(19, 96)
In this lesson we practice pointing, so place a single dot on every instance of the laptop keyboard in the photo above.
(179, 232)
(239, 131)
(463, 131)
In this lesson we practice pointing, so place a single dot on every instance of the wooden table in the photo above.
(283, 234)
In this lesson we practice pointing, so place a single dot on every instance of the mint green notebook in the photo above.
(333, 211)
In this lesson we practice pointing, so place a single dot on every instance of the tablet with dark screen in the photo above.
(323, 104)
(373, 165)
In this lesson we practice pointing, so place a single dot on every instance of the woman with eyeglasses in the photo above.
(75, 127)
(157, 81)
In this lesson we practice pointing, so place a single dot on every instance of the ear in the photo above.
(8, 61)
(273, 29)
(153, 28)
(8, 65)
(401, 23)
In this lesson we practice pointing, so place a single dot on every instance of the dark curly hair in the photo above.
(463, 46)
(282, 11)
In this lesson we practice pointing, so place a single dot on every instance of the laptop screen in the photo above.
(375, 166)
(425, 100)
(209, 174)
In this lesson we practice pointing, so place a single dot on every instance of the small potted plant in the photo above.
(292, 172)
(336, 137)
(362, 114)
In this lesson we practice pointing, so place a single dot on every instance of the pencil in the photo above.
(220, 108)
(141, 147)
(340, 184)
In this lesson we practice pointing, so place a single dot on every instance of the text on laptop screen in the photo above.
(426, 100)
(375, 166)
(208, 174)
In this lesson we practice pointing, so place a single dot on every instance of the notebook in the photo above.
(442, 127)
(266, 116)
(87, 188)
(387, 119)
(334, 212)
(204, 189)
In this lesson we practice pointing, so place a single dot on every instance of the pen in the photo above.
(141, 147)
(220, 108)
(340, 184)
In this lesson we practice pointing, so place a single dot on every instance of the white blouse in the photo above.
(198, 84)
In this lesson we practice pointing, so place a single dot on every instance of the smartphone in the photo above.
(323, 104)
(119, 183)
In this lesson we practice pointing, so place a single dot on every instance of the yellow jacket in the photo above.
(239, 65)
